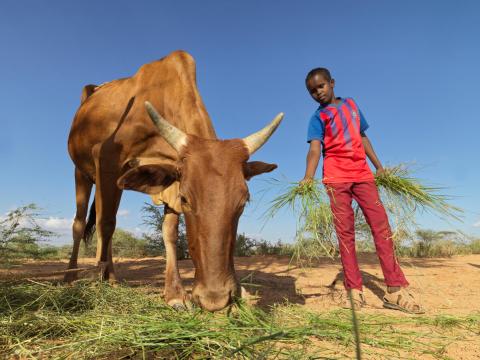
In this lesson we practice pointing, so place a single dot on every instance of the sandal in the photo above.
(402, 300)
(357, 297)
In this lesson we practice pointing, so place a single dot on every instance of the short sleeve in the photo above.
(316, 128)
(363, 123)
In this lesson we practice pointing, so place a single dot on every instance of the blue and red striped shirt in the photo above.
(339, 127)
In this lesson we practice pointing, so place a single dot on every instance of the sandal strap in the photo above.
(403, 299)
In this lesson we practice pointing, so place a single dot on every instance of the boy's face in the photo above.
(321, 89)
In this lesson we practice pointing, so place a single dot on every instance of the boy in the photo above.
(339, 127)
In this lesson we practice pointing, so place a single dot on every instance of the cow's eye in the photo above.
(184, 203)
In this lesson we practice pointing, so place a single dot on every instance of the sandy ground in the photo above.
(444, 286)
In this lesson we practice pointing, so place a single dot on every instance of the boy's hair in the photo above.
(322, 71)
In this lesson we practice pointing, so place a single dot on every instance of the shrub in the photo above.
(124, 244)
(153, 217)
(20, 234)
(246, 246)
(430, 243)
(475, 246)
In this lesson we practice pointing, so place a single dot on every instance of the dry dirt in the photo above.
(444, 286)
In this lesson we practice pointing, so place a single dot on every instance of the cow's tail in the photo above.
(90, 227)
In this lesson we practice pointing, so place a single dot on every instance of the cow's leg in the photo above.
(103, 265)
(99, 251)
(83, 188)
(107, 200)
(175, 294)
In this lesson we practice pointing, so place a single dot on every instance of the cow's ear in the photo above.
(253, 168)
(150, 179)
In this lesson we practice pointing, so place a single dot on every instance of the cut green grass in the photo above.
(315, 230)
(398, 183)
(402, 195)
(95, 320)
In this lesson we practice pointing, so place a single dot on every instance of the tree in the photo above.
(153, 217)
(429, 243)
(126, 244)
(245, 246)
(20, 232)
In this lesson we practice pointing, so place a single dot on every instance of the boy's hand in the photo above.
(380, 171)
(305, 180)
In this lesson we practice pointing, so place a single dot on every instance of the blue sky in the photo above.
(412, 66)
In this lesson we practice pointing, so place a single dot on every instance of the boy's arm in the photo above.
(371, 154)
(313, 158)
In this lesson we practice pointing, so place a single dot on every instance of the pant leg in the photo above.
(341, 204)
(366, 195)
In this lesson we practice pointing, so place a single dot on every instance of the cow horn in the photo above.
(175, 137)
(256, 140)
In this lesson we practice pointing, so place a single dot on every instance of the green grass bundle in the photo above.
(409, 192)
(315, 230)
(401, 194)
(306, 195)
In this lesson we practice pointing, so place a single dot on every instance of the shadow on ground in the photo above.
(375, 284)
(270, 279)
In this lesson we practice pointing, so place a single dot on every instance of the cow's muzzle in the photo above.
(217, 298)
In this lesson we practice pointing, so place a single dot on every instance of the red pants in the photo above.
(366, 195)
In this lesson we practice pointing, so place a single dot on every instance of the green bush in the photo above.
(125, 244)
(153, 217)
(430, 243)
(246, 246)
(20, 234)
(475, 246)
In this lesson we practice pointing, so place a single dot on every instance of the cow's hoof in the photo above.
(179, 307)
(102, 270)
(106, 272)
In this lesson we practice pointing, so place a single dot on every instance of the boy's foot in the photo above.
(357, 297)
(402, 300)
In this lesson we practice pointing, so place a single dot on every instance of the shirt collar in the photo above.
(332, 105)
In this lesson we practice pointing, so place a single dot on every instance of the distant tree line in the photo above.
(22, 237)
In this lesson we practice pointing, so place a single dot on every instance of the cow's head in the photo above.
(213, 193)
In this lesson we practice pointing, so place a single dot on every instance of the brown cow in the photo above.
(180, 162)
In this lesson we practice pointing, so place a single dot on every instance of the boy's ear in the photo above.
(253, 168)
